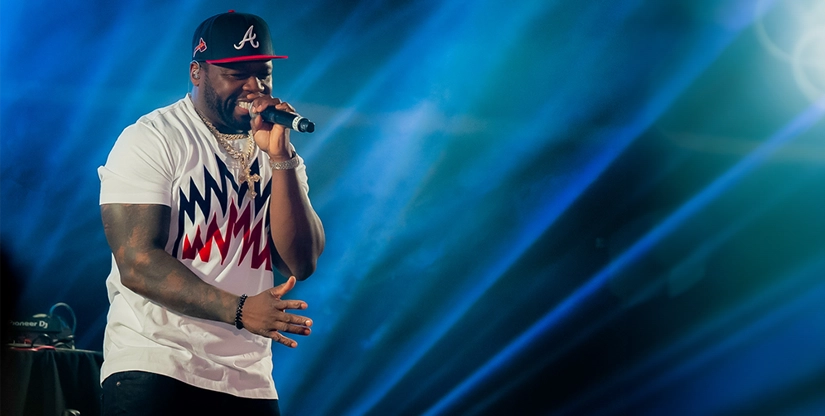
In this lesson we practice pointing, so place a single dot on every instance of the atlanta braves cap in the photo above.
(232, 37)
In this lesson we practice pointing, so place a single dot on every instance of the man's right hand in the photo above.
(265, 314)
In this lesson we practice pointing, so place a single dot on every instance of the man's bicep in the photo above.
(135, 227)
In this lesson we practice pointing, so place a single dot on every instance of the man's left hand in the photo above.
(271, 138)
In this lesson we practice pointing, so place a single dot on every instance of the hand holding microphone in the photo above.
(271, 121)
(289, 120)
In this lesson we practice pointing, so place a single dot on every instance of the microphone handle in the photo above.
(287, 119)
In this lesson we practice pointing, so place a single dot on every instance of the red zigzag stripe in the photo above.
(237, 224)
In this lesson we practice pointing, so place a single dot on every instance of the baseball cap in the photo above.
(232, 37)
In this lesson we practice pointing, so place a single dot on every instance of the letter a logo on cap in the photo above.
(248, 37)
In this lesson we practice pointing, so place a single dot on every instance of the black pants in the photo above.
(137, 393)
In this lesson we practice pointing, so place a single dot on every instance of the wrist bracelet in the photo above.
(286, 164)
(239, 312)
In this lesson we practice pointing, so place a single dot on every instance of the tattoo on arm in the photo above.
(137, 235)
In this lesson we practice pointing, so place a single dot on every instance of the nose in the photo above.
(254, 84)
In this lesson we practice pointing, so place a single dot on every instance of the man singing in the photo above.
(201, 200)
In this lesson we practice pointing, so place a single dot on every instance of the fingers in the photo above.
(279, 291)
(282, 289)
(284, 106)
(261, 103)
(292, 324)
(277, 321)
(294, 329)
(289, 342)
(295, 320)
(295, 324)
(270, 137)
(290, 304)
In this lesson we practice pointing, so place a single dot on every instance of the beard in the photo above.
(224, 109)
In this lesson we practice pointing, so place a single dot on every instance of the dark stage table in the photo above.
(48, 381)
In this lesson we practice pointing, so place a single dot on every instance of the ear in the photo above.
(194, 73)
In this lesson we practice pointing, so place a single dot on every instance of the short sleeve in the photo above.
(139, 169)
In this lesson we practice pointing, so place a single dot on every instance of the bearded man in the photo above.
(201, 202)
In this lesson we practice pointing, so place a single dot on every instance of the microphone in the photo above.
(287, 119)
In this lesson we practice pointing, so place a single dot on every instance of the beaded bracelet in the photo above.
(239, 312)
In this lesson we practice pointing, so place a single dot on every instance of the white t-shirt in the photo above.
(169, 157)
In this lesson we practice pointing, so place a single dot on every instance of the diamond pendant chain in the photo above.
(243, 157)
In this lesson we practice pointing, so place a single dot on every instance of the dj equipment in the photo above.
(43, 329)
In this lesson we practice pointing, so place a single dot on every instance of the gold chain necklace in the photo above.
(244, 158)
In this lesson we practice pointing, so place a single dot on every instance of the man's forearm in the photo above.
(137, 235)
(166, 281)
(296, 230)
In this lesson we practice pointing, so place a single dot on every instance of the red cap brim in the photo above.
(245, 58)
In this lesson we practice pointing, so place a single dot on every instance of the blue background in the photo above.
(531, 207)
